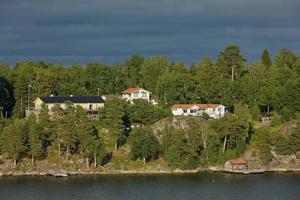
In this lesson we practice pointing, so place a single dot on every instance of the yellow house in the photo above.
(92, 104)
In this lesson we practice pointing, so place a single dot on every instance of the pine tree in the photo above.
(13, 139)
(86, 134)
(44, 127)
(231, 62)
(265, 58)
(58, 128)
(144, 145)
(295, 138)
(113, 116)
(99, 151)
(35, 143)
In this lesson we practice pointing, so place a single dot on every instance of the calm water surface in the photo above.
(200, 186)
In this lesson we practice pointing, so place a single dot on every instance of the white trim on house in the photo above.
(131, 94)
(213, 110)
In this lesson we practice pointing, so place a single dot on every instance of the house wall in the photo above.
(229, 167)
(140, 94)
(212, 112)
(86, 106)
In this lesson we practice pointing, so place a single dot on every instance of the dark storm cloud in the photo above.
(69, 31)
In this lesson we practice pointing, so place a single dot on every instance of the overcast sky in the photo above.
(109, 31)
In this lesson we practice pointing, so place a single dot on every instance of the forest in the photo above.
(268, 87)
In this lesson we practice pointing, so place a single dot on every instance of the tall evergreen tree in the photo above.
(113, 116)
(295, 137)
(13, 140)
(265, 58)
(44, 127)
(35, 143)
(86, 134)
(231, 62)
(58, 129)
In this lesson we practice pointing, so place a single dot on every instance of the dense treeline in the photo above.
(263, 85)
(249, 91)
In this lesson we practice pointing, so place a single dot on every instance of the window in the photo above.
(184, 110)
(90, 107)
(144, 94)
(193, 111)
(136, 94)
(219, 109)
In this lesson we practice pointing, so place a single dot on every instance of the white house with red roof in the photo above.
(213, 110)
(133, 93)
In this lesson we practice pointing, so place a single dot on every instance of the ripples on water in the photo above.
(175, 187)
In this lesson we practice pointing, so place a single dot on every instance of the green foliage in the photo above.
(181, 148)
(114, 116)
(265, 58)
(205, 116)
(289, 98)
(255, 112)
(295, 137)
(248, 91)
(243, 112)
(178, 88)
(13, 140)
(262, 141)
(7, 98)
(144, 145)
(44, 127)
(233, 131)
(144, 113)
(282, 145)
(34, 140)
(231, 62)
(276, 119)
(150, 69)
(285, 59)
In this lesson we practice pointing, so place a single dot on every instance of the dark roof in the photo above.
(74, 99)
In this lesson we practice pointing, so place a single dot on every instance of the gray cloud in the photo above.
(68, 31)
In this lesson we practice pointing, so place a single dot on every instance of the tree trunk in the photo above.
(68, 149)
(32, 160)
(58, 149)
(95, 160)
(144, 159)
(204, 141)
(15, 161)
(268, 108)
(87, 163)
(224, 145)
(232, 73)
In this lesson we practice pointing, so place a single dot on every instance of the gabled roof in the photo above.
(238, 162)
(74, 99)
(195, 105)
(131, 90)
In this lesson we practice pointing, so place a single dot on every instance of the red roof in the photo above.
(130, 90)
(238, 162)
(197, 105)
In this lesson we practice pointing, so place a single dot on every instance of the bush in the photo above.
(144, 145)
(262, 141)
(282, 145)
(276, 119)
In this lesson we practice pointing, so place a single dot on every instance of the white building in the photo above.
(213, 110)
(131, 94)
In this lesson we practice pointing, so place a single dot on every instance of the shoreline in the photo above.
(63, 173)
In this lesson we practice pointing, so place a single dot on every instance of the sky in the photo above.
(110, 31)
